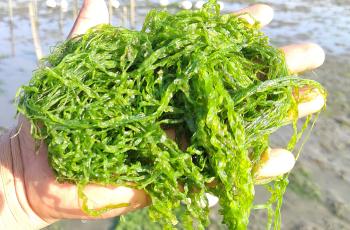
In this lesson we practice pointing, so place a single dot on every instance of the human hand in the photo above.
(52, 200)
(299, 58)
(49, 199)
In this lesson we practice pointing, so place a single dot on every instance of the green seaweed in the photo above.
(137, 221)
(303, 185)
(103, 100)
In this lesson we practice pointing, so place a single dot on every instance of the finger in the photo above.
(300, 58)
(259, 12)
(303, 57)
(182, 141)
(275, 162)
(92, 13)
(102, 196)
(61, 201)
(313, 102)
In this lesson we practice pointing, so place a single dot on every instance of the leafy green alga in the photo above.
(103, 100)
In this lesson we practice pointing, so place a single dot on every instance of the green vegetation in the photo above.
(302, 184)
(105, 98)
(137, 220)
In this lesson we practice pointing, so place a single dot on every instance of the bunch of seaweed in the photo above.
(103, 101)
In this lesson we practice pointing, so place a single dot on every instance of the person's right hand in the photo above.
(299, 58)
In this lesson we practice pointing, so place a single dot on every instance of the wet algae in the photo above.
(103, 100)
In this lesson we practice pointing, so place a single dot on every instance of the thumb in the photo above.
(105, 201)
(117, 200)
(92, 13)
(52, 200)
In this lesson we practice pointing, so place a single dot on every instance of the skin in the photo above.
(53, 201)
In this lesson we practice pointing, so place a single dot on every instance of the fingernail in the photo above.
(275, 162)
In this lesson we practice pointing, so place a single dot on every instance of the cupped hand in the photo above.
(52, 200)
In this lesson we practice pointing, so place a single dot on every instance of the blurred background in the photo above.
(318, 194)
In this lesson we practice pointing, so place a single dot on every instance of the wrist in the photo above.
(15, 211)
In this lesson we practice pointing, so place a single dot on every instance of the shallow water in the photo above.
(324, 167)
